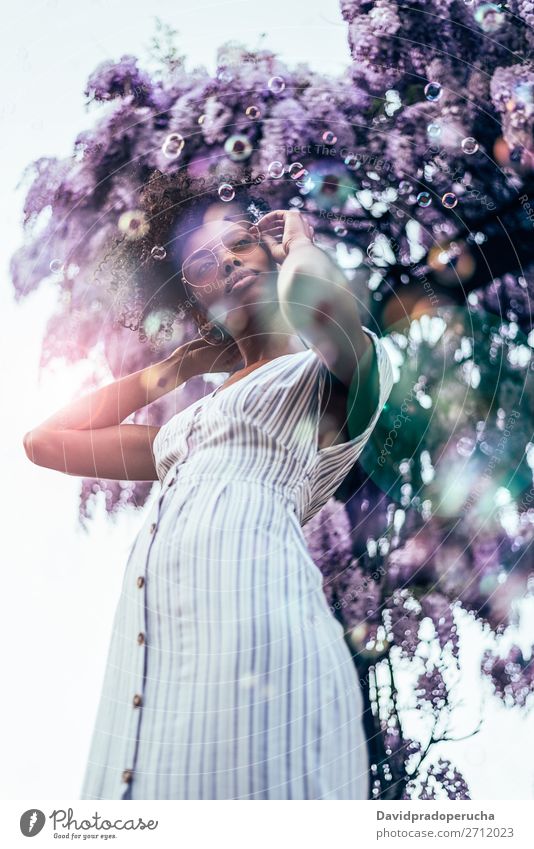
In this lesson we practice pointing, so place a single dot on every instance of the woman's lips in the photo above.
(242, 281)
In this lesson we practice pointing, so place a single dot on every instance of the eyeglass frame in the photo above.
(250, 224)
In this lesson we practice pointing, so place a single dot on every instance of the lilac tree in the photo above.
(417, 168)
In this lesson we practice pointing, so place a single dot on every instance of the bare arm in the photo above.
(111, 404)
(86, 438)
(117, 452)
(315, 298)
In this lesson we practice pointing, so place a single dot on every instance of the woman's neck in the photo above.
(275, 338)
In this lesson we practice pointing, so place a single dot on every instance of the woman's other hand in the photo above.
(282, 230)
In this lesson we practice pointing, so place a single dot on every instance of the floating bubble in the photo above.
(275, 169)
(404, 187)
(226, 192)
(56, 266)
(158, 252)
(375, 251)
(297, 171)
(304, 180)
(449, 200)
(489, 17)
(276, 85)
(329, 137)
(296, 202)
(173, 146)
(133, 224)
(238, 147)
(434, 130)
(352, 161)
(424, 199)
(340, 230)
(252, 112)
(433, 91)
(201, 119)
(469, 145)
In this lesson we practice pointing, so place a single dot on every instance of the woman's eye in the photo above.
(242, 243)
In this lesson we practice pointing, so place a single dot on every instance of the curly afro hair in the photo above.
(145, 263)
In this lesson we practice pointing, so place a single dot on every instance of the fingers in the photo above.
(276, 217)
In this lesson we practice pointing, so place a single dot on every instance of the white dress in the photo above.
(228, 676)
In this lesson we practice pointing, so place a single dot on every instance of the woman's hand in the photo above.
(282, 230)
(199, 357)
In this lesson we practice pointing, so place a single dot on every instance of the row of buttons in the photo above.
(127, 774)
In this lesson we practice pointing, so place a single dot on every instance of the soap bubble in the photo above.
(424, 199)
(489, 17)
(433, 91)
(469, 145)
(449, 200)
(173, 146)
(276, 85)
(275, 169)
(352, 161)
(226, 192)
(404, 187)
(297, 171)
(434, 130)
(158, 252)
(304, 181)
(252, 112)
(329, 137)
(375, 251)
(56, 266)
(238, 147)
(133, 224)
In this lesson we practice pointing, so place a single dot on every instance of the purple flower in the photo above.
(512, 676)
(404, 617)
(119, 79)
(438, 608)
(431, 688)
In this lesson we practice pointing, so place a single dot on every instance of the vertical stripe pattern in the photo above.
(227, 676)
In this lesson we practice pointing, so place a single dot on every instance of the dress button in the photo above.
(141, 638)
(127, 775)
(140, 581)
(137, 700)
(153, 527)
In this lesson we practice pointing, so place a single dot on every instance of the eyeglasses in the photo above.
(202, 266)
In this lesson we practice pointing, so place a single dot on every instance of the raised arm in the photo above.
(315, 298)
(86, 437)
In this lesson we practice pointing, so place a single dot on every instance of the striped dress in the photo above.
(227, 676)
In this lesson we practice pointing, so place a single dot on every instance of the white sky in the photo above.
(60, 585)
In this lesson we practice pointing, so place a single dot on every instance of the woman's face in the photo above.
(226, 266)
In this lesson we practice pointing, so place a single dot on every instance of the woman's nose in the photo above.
(230, 263)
